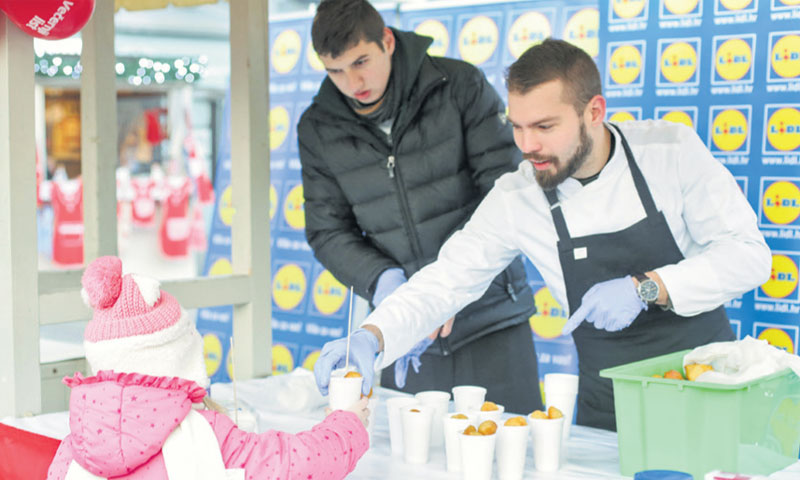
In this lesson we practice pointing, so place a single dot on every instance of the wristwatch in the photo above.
(648, 289)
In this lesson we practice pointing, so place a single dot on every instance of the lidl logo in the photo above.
(784, 58)
(273, 201)
(782, 129)
(684, 115)
(222, 266)
(733, 58)
(311, 360)
(780, 336)
(289, 286)
(620, 116)
(678, 62)
(478, 39)
(625, 64)
(313, 59)
(681, 7)
(285, 51)
(628, 9)
(734, 6)
(780, 202)
(328, 294)
(582, 30)
(783, 279)
(438, 32)
(225, 207)
(282, 360)
(293, 208)
(278, 126)
(528, 29)
(730, 127)
(550, 317)
(212, 353)
(785, 4)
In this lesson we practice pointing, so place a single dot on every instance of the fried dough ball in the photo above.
(515, 422)
(487, 428)
(489, 407)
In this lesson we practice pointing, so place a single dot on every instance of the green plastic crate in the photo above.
(696, 427)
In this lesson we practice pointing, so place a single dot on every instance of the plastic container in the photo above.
(696, 427)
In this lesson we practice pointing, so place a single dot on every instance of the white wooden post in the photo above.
(249, 41)
(19, 323)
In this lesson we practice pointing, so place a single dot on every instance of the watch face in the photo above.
(648, 290)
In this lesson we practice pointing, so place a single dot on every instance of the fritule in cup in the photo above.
(477, 456)
(393, 408)
(494, 412)
(512, 446)
(440, 402)
(546, 439)
(417, 420)
(343, 391)
(468, 397)
(452, 427)
(561, 391)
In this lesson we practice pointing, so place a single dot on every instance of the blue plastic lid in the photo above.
(662, 475)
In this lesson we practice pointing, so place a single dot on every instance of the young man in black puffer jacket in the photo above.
(397, 150)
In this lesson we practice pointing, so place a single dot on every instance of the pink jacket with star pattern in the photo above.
(119, 422)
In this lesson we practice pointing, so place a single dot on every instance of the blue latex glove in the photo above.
(387, 283)
(401, 365)
(363, 348)
(611, 305)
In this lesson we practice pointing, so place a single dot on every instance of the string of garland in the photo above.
(135, 71)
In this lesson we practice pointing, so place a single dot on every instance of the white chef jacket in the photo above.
(710, 219)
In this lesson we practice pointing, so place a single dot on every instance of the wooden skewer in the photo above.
(349, 329)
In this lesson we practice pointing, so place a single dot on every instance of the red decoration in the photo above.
(49, 19)
(25, 455)
(175, 222)
(67, 224)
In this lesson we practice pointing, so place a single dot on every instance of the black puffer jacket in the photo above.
(450, 143)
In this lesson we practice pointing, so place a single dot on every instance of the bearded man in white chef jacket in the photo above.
(636, 228)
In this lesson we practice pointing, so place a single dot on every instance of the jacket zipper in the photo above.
(390, 166)
(394, 173)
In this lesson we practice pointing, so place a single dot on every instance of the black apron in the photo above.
(642, 247)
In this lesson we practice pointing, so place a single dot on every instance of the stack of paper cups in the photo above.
(561, 391)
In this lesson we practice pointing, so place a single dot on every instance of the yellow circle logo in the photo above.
(329, 293)
(733, 59)
(293, 210)
(282, 360)
(783, 129)
(313, 59)
(777, 338)
(441, 37)
(790, 2)
(678, 62)
(736, 4)
(729, 130)
(278, 127)
(783, 279)
(222, 266)
(273, 201)
(679, 116)
(625, 64)
(212, 353)
(225, 207)
(286, 51)
(785, 57)
(621, 116)
(628, 8)
(582, 29)
(311, 360)
(550, 317)
(781, 202)
(680, 7)
(528, 29)
(289, 286)
(478, 39)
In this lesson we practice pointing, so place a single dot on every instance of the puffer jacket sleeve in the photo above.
(60, 465)
(331, 228)
(329, 451)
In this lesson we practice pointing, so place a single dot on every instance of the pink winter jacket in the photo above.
(119, 422)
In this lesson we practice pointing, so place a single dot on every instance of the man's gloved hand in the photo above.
(401, 365)
(388, 281)
(363, 348)
(611, 305)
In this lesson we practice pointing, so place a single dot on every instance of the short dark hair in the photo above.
(556, 60)
(341, 24)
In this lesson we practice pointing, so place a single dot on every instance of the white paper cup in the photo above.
(452, 428)
(493, 415)
(468, 397)
(393, 406)
(477, 456)
(417, 420)
(561, 391)
(547, 436)
(440, 401)
(343, 392)
(512, 446)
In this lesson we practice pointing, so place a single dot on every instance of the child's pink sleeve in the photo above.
(60, 465)
(328, 451)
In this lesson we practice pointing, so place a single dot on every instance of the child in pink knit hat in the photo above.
(140, 415)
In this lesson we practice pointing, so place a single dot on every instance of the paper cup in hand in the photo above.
(468, 397)
(546, 436)
(417, 420)
(453, 428)
(440, 401)
(561, 391)
(477, 456)
(512, 445)
(393, 407)
(343, 391)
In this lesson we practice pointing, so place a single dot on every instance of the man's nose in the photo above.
(353, 80)
(529, 141)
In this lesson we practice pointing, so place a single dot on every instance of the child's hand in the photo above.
(359, 408)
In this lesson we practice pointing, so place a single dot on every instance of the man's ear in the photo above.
(388, 40)
(596, 110)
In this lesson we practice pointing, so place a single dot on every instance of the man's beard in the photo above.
(549, 181)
